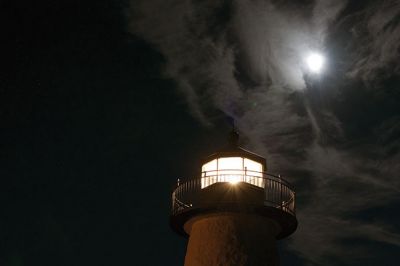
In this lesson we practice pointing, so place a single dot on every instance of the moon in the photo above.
(315, 62)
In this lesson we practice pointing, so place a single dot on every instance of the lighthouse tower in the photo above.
(233, 211)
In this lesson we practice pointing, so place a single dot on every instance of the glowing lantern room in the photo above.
(233, 165)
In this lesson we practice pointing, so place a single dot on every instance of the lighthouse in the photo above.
(233, 211)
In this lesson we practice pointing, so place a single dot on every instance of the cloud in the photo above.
(245, 58)
(376, 33)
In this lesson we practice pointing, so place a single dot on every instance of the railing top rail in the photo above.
(250, 173)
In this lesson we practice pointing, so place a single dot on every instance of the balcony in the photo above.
(235, 191)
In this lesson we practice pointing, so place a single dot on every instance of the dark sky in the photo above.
(94, 134)
(93, 140)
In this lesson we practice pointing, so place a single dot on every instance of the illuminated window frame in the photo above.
(249, 171)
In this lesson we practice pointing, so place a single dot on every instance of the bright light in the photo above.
(234, 179)
(315, 62)
(232, 170)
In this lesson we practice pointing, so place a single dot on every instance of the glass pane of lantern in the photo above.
(209, 167)
(253, 167)
(230, 163)
(253, 171)
(209, 173)
(230, 169)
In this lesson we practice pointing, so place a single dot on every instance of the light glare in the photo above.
(234, 179)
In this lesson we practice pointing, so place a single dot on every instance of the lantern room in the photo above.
(232, 169)
(233, 165)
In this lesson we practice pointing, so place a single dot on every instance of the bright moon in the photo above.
(315, 62)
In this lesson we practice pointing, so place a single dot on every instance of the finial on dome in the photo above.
(233, 135)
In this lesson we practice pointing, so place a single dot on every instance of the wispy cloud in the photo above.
(376, 33)
(245, 58)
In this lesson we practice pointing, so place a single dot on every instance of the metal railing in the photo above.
(278, 193)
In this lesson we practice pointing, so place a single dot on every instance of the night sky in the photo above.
(111, 101)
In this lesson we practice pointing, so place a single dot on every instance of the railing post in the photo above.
(173, 202)
(280, 182)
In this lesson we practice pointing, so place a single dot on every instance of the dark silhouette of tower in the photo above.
(234, 211)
